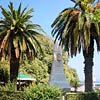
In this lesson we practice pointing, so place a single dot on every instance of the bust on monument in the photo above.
(57, 51)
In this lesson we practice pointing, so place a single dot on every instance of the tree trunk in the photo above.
(14, 66)
(88, 57)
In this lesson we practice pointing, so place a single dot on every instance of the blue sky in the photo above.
(45, 11)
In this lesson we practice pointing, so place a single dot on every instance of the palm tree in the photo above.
(77, 28)
(18, 37)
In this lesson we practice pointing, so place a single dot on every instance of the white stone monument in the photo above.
(57, 77)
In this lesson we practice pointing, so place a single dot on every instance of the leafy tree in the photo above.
(72, 76)
(35, 69)
(77, 28)
(47, 46)
(18, 37)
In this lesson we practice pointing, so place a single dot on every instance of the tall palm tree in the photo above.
(77, 28)
(18, 37)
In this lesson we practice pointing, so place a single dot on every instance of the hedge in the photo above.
(83, 96)
(43, 92)
(8, 95)
(46, 93)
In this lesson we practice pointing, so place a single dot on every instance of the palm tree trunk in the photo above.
(14, 66)
(88, 57)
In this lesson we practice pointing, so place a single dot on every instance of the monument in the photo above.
(57, 77)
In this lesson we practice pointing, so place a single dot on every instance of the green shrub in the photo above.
(8, 92)
(7, 95)
(83, 96)
(4, 71)
(8, 87)
(43, 92)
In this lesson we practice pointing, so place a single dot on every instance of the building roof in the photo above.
(22, 76)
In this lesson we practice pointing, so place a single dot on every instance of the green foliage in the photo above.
(72, 76)
(36, 69)
(8, 95)
(40, 71)
(43, 92)
(47, 47)
(83, 96)
(4, 71)
(8, 87)
(96, 15)
(71, 73)
(47, 93)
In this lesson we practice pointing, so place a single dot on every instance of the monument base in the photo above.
(57, 77)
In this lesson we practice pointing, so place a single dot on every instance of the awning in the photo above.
(22, 76)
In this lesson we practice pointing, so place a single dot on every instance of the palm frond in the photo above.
(86, 37)
(22, 44)
(23, 11)
(3, 44)
(19, 10)
(34, 40)
(76, 34)
(2, 33)
(11, 7)
(97, 28)
(38, 44)
(29, 39)
(17, 52)
(27, 14)
(67, 26)
(6, 14)
(15, 41)
(98, 43)
(38, 28)
(55, 21)
(81, 20)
